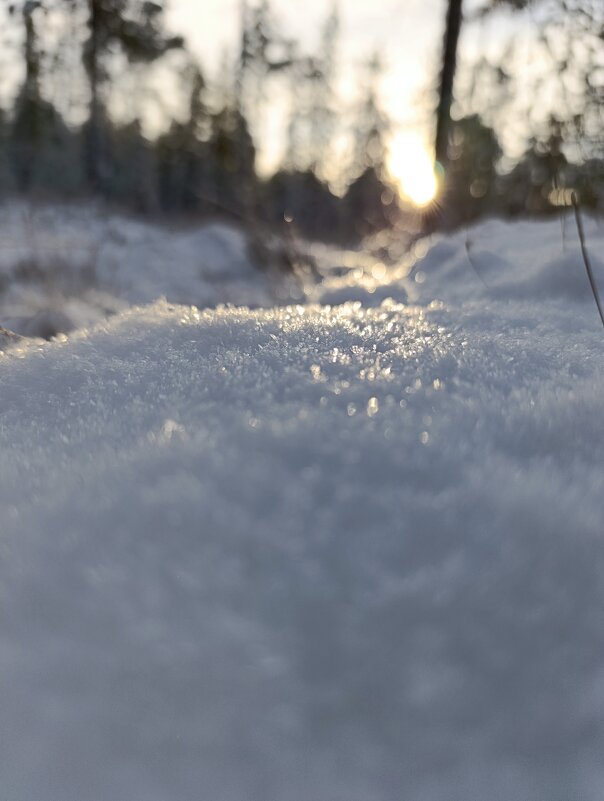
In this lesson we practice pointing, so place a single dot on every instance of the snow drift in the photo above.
(345, 553)
(68, 267)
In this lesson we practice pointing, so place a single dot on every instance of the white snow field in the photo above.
(313, 553)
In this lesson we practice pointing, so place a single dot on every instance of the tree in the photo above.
(6, 178)
(38, 139)
(133, 182)
(29, 120)
(263, 52)
(370, 123)
(368, 199)
(313, 113)
(304, 201)
(136, 28)
(232, 176)
(568, 46)
(184, 155)
(447, 76)
(472, 154)
(369, 204)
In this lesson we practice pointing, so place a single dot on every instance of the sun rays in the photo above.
(411, 166)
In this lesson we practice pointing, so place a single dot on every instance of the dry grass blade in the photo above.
(473, 265)
(585, 255)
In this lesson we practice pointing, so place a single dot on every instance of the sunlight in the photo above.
(410, 165)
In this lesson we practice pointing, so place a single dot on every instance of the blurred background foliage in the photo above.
(60, 139)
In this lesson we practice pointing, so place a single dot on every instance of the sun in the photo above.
(410, 165)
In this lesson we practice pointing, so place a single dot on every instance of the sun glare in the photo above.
(410, 165)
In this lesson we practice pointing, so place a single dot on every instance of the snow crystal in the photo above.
(344, 553)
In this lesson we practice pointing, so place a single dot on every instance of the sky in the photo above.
(407, 32)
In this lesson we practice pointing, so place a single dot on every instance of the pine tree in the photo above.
(26, 130)
(136, 28)
(365, 199)
(370, 124)
(313, 113)
(232, 159)
(569, 48)
(184, 154)
(263, 53)
(38, 139)
(473, 152)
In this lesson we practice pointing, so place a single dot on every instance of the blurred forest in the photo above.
(74, 61)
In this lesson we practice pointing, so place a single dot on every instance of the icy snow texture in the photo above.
(312, 554)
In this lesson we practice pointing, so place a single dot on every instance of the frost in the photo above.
(373, 407)
(221, 578)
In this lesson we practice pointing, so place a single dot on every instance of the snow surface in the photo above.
(313, 553)
(68, 267)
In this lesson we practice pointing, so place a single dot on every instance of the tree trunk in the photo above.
(92, 144)
(32, 60)
(443, 114)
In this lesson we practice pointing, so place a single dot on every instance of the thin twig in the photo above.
(585, 255)
(558, 186)
(563, 228)
(472, 263)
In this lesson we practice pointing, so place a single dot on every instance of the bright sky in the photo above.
(409, 35)
(407, 32)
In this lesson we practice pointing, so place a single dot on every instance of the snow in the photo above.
(68, 267)
(341, 552)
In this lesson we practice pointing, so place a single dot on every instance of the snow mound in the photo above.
(63, 267)
(533, 261)
(340, 553)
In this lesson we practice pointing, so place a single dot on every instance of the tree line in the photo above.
(545, 88)
(60, 139)
(205, 161)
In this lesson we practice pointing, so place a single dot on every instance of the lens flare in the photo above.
(411, 166)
